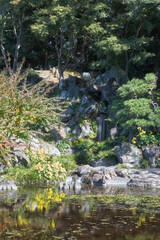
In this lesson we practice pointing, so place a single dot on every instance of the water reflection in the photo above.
(41, 214)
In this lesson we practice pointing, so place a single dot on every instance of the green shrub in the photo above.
(83, 158)
(43, 167)
(33, 77)
(63, 145)
(146, 137)
(105, 154)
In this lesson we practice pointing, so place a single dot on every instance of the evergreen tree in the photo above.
(136, 104)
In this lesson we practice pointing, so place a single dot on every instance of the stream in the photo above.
(114, 213)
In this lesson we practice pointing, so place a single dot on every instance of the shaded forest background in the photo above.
(88, 35)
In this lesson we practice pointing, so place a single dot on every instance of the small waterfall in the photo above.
(102, 126)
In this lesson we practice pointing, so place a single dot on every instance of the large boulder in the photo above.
(128, 154)
(112, 73)
(151, 154)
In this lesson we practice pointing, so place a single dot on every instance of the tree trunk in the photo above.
(61, 77)
(18, 38)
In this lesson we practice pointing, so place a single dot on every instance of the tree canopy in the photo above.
(89, 35)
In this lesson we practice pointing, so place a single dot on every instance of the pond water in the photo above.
(45, 214)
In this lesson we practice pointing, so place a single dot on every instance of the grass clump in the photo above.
(121, 166)
(23, 109)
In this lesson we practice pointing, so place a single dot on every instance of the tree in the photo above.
(136, 104)
(12, 17)
(129, 34)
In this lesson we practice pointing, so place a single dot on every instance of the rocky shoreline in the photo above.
(111, 177)
(88, 176)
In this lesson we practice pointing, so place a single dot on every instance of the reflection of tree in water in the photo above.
(47, 214)
(36, 212)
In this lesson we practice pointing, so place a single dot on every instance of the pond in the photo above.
(118, 214)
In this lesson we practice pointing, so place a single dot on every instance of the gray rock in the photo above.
(117, 182)
(113, 133)
(72, 122)
(86, 76)
(58, 133)
(110, 172)
(99, 80)
(51, 149)
(2, 167)
(67, 115)
(98, 179)
(151, 154)
(84, 170)
(111, 73)
(77, 184)
(91, 111)
(84, 101)
(104, 162)
(21, 158)
(33, 139)
(77, 131)
(64, 94)
(109, 90)
(34, 143)
(73, 90)
(86, 179)
(144, 178)
(85, 130)
(128, 154)
(122, 173)
(7, 185)
(66, 129)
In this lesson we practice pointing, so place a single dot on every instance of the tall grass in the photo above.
(23, 108)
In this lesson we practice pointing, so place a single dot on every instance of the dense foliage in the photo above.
(84, 34)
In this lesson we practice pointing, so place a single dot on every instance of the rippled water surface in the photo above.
(39, 214)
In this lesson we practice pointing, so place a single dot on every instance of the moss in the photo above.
(120, 166)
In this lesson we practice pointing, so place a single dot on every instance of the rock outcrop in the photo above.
(151, 154)
(110, 176)
(128, 154)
